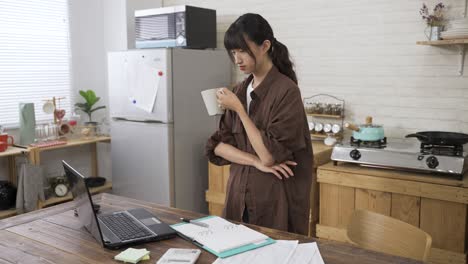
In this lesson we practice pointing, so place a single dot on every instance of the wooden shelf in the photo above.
(325, 116)
(12, 151)
(77, 142)
(68, 197)
(443, 42)
(316, 135)
(321, 135)
(34, 158)
(7, 213)
(460, 43)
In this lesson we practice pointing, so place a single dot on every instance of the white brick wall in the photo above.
(364, 51)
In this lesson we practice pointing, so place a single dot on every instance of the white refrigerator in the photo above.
(159, 124)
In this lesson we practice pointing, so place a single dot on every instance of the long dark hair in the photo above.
(257, 29)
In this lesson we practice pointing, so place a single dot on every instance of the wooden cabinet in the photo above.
(218, 177)
(436, 204)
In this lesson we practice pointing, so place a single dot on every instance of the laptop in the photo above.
(117, 229)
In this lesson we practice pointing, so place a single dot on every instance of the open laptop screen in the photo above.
(83, 201)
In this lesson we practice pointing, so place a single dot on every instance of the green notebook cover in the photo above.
(226, 253)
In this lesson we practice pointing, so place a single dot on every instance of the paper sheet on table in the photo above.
(307, 253)
(142, 81)
(282, 252)
(279, 252)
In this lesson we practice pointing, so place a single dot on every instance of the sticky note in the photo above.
(133, 255)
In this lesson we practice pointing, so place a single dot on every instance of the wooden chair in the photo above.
(382, 233)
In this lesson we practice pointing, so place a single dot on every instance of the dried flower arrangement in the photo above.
(437, 16)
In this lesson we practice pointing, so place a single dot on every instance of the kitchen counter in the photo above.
(397, 174)
(434, 203)
(322, 153)
(218, 177)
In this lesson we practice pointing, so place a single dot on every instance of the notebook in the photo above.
(222, 238)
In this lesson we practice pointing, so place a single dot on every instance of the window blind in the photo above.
(34, 57)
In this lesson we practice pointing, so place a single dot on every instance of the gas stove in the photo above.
(446, 159)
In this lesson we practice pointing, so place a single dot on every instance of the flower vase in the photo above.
(433, 32)
(89, 130)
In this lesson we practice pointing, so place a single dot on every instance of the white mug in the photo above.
(211, 103)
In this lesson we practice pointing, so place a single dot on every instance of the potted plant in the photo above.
(434, 21)
(90, 100)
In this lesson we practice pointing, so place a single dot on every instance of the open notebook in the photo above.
(222, 237)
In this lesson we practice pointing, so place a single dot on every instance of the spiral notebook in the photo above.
(222, 238)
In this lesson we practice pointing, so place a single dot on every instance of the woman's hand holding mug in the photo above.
(228, 100)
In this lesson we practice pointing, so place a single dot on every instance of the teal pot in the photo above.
(367, 131)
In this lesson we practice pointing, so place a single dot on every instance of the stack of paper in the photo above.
(133, 255)
(282, 252)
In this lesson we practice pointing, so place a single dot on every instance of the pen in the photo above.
(194, 223)
(178, 260)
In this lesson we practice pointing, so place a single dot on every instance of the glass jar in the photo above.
(313, 108)
(52, 133)
(311, 126)
(318, 127)
(308, 107)
(74, 123)
(327, 109)
(337, 110)
(336, 129)
(103, 128)
(319, 108)
(39, 134)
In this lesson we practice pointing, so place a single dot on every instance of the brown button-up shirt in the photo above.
(278, 112)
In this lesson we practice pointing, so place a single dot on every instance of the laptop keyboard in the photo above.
(123, 226)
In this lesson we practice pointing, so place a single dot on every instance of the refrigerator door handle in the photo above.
(138, 121)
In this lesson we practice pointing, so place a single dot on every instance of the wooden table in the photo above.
(54, 235)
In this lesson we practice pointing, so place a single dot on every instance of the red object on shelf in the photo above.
(72, 122)
(160, 73)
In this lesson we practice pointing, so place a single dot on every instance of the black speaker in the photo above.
(95, 181)
(7, 195)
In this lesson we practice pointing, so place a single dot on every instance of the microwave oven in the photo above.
(176, 26)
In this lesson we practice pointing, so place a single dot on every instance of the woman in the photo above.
(263, 133)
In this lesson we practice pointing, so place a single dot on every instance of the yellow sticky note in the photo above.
(132, 255)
